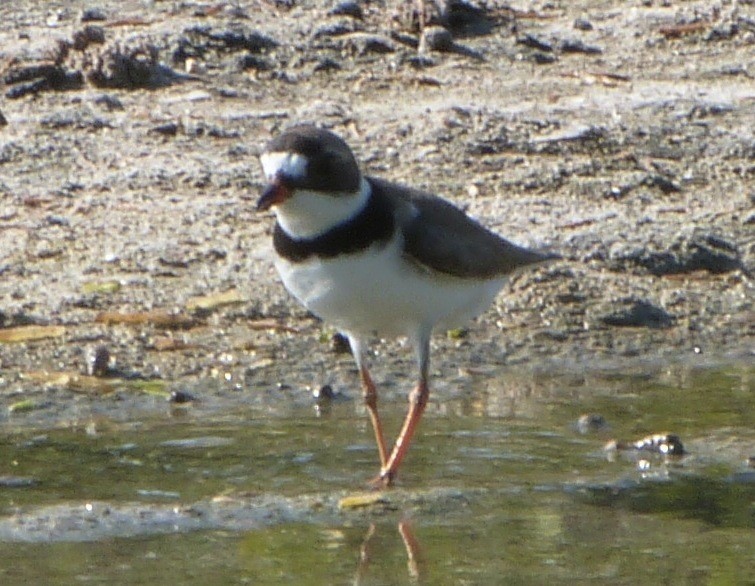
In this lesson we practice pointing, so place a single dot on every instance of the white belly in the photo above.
(377, 291)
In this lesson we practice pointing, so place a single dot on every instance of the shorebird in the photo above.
(374, 257)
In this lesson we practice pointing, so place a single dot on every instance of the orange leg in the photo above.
(370, 399)
(417, 402)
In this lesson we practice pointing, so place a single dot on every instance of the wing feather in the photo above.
(441, 237)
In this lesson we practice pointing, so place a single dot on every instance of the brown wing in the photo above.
(444, 239)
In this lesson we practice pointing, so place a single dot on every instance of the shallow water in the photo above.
(500, 487)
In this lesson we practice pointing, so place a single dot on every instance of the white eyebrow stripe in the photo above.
(291, 165)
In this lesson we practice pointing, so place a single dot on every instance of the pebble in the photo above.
(249, 61)
(689, 251)
(637, 313)
(180, 397)
(167, 129)
(110, 102)
(534, 42)
(436, 38)
(98, 361)
(45, 249)
(89, 35)
(591, 422)
(324, 393)
(339, 344)
(334, 29)
(365, 43)
(347, 8)
(459, 14)
(93, 14)
(722, 32)
(421, 61)
(326, 64)
(543, 58)
(577, 46)
(665, 184)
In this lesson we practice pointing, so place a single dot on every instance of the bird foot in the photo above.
(382, 481)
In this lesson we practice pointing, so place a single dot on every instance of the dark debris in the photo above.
(637, 313)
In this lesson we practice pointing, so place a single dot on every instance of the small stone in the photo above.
(31, 72)
(591, 422)
(249, 61)
(460, 15)
(167, 129)
(552, 334)
(110, 102)
(534, 42)
(665, 184)
(722, 32)
(689, 252)
(543, 58)
(582, 24)
(347, 8)
(577, 46)
(638, 313)
(3, 121)
(365, 43)
(334, 29)
(405, 39)
(89, 35)
(339, 344)
(326, 64)
(93, 14)
(56, 220)
(45, 249)
(98, 361)
(236, 40)
(324, 393)
(421, 61)
(180, 397)
(436, 38)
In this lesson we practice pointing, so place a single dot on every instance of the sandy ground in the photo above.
(618, 134)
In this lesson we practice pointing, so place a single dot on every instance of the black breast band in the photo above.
(374, 224)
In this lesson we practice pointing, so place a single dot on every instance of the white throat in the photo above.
(307, 214)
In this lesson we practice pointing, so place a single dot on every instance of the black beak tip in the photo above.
(267, 198)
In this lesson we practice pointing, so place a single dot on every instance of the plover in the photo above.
(373, 257)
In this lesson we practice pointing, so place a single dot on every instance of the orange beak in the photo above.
(276, 192)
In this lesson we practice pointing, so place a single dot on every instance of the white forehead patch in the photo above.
(289, 164)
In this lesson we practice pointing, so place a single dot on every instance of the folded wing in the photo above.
(442, 238)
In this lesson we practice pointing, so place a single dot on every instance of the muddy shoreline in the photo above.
(128, 190)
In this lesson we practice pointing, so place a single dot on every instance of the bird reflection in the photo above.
(414, 559)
